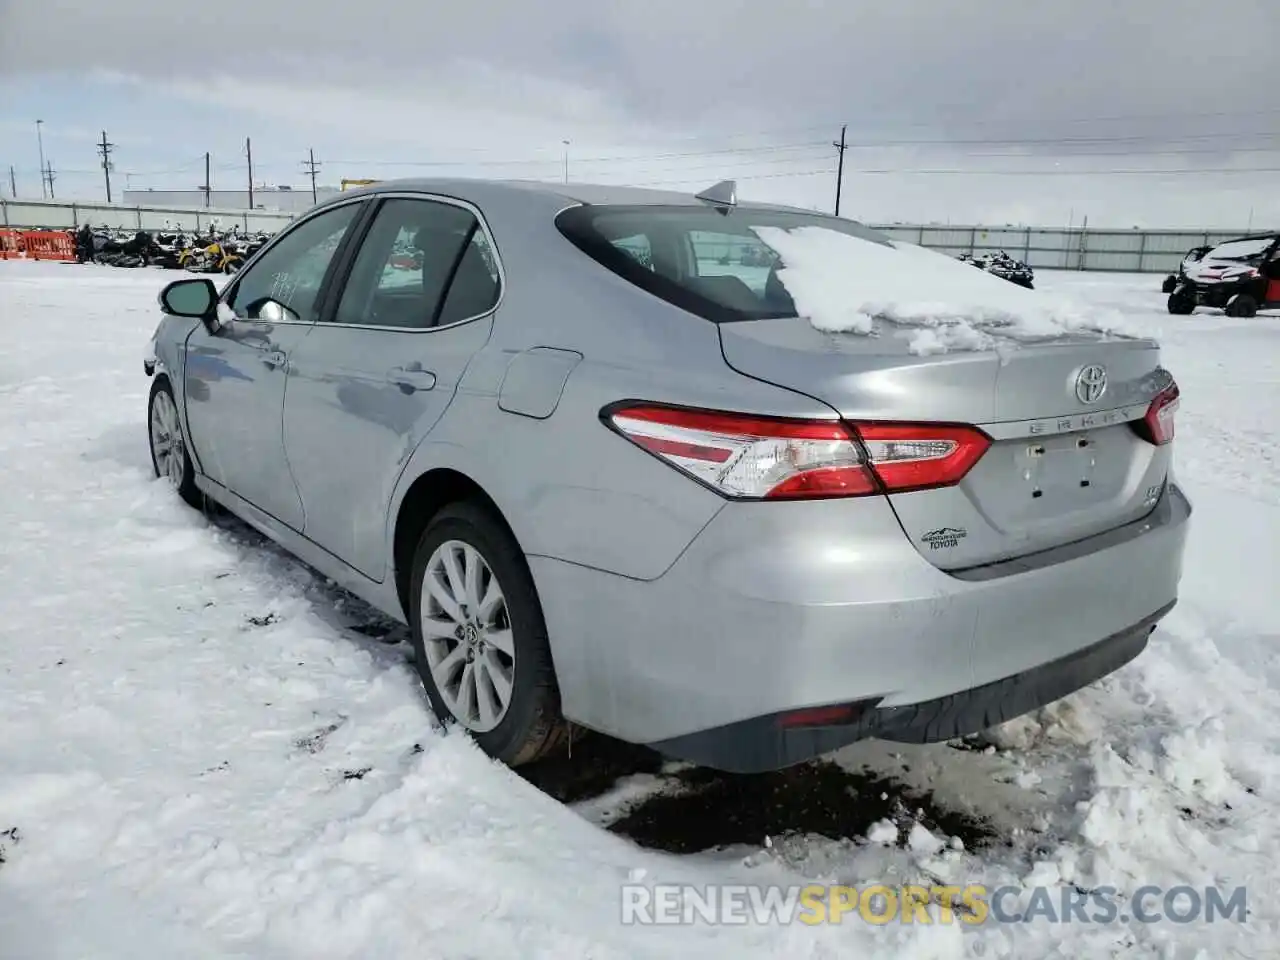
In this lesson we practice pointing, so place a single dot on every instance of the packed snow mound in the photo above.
(843, 284)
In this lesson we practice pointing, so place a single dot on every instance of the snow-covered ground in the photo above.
(203, 752)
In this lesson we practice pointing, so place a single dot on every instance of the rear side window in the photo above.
(710, 263)
(422, 264)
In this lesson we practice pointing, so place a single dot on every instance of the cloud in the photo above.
(680, 63)
(759, 89)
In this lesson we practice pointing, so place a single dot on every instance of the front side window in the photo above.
(423, 263)
(708, 262)
(292, 271)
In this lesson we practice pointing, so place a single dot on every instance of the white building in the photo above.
(287, 199)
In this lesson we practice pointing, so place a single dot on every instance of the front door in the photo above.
(376, 373)
(235, 378)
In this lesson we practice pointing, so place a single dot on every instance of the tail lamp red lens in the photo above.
(1157, 426)
(751, 457)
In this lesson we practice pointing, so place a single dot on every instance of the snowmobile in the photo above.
(1004, 266)
(1194, 255)
(1240, 277)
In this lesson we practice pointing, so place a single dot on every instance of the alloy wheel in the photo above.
(166, 439)
(467, 636)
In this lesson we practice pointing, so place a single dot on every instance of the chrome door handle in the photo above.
(273, 358)
(409, 379)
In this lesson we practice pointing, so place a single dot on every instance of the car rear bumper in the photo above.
(776, 608)
(770, 743)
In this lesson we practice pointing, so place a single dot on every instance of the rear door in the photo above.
(235, 379)
(381, 366)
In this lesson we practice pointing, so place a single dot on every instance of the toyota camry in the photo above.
(691, 472)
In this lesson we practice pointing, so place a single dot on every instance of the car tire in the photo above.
(1242, 305)
(170, 456)
(1180, 304)
(528, 725)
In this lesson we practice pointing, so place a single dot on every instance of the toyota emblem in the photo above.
(1091, 383)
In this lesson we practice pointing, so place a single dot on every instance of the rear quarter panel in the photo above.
(570, 487)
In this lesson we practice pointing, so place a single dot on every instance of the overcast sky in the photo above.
(957, 111)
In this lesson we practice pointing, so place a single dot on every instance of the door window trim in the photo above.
(326, 282)
(346, 260)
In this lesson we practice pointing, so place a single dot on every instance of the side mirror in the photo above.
(270, 310)
(194, 298)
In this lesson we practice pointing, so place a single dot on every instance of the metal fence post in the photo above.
(1142, 249)
(973, 241)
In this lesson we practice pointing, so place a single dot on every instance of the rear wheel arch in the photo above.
(427, 496)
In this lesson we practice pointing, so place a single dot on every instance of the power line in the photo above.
(906, 171)
(813, 154)
(863, 144)
(865, 121)
(776, 148)
(814, 149)
(730, 165)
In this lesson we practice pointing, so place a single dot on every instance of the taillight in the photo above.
(1157, 425)
(919, 456)
(750, 457)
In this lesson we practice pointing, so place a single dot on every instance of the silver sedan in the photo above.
(586, 443)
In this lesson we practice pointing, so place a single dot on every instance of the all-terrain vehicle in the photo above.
(1240, 277)
(1003, 266)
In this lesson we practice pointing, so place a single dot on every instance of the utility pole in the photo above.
(311, 167)
(248, 152)
(208, 187)
(841, 146)
(566, 160)
(13, 183)
(105, 149)
(40, 141)
(49, 176)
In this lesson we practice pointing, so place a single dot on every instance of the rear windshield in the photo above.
(697, 258)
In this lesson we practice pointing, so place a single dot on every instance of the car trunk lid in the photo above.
(1064, 462)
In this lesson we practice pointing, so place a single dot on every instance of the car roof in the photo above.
(1248, 236)
(467, 188)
